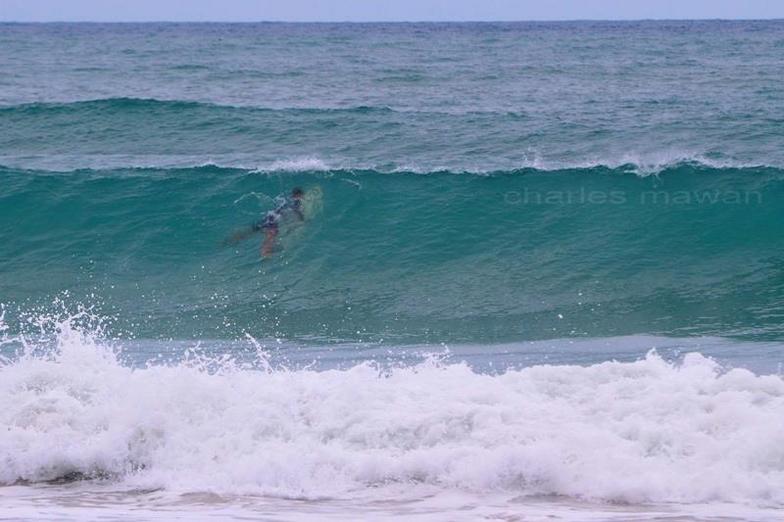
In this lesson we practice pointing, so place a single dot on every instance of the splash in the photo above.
(647, 431)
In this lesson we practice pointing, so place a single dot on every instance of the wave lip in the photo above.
(646, 431)
(317, 165)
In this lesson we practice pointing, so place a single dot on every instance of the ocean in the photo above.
(540, 274)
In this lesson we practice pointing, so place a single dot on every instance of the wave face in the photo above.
(435, 257)
(640, 432)
(480, 182)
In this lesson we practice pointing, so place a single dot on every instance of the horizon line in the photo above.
(541, 20)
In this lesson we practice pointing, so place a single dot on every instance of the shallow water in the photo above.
(413, 503)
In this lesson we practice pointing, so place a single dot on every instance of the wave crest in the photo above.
(629, 432)
(317, 165)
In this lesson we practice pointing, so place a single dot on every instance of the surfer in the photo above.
(290, 207)
(270, 223)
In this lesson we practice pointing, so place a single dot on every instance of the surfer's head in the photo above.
(297, 193)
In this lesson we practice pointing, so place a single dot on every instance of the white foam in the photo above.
(295, 165)
(641, 163)
(637, 432)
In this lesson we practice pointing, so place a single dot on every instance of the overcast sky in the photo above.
(381, 10)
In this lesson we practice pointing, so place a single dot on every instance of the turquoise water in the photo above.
(502, 221)
(404, 257)
(481, 182)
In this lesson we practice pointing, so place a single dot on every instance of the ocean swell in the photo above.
(552, 254)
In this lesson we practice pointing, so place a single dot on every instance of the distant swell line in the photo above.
(121, 103)
(132, 103)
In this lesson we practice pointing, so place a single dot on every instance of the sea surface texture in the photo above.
(541, 271)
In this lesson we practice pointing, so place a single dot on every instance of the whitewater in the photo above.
(640, 438)
(541, 274)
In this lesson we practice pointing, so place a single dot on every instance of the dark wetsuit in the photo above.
(271, 220)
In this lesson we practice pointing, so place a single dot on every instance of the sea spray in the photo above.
(644, 431)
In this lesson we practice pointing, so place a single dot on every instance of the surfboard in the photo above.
(312, 202)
